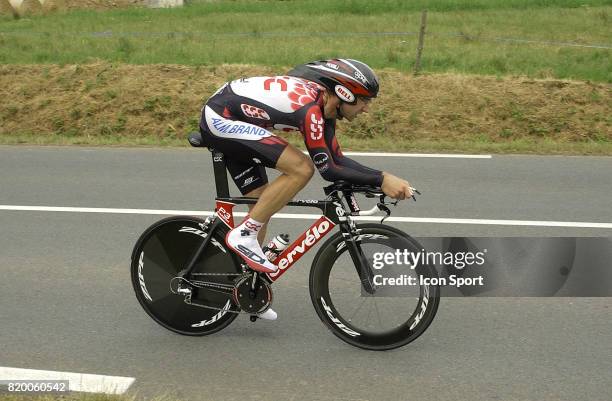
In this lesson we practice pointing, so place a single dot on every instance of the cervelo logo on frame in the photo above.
(316, 127)
(254, 112)
(303, 244)
(344, 94)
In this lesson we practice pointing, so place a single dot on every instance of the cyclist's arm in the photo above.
(339, 158)
(322, 156)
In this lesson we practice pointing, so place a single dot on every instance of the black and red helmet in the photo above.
(347, 78)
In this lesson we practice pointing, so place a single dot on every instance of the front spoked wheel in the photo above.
(399, 307)
(201, 303)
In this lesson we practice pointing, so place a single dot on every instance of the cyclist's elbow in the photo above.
(329, 174)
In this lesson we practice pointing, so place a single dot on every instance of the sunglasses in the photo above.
(366, 100)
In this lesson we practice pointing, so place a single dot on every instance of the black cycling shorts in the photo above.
(248, 149)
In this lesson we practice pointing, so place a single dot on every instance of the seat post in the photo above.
(220, 171)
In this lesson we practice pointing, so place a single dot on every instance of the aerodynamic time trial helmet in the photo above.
(347, 78)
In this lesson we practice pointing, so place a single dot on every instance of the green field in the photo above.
(475, 37)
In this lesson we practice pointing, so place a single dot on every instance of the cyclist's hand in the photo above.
(396, 187)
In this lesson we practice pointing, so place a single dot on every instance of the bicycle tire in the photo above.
(409, 328)
(160, 253)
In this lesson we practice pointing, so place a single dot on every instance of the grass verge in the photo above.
(157, 105)
(462, 37)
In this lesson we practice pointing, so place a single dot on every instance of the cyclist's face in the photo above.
(350, 111)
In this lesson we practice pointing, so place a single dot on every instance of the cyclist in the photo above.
(237, 121)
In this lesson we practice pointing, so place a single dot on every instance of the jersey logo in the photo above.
(268, 84)
(254, 112)
(230, 127)
(316, 127)
(321, 161)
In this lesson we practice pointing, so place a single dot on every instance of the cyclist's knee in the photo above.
(304, 170)
(296, 165)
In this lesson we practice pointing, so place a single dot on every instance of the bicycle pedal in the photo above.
(253, 318)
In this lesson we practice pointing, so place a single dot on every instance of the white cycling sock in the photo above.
(251, 226)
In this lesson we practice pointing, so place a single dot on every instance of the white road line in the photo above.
(432, 220)
(432, 155)
(81, 382)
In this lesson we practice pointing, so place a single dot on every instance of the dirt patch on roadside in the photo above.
(7, 9)
(158, 101)
(100, 4)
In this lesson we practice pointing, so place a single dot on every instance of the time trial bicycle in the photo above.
(189, 281)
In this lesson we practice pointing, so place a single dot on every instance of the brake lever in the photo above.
(382, 205)
(383, 208)
(382, 200)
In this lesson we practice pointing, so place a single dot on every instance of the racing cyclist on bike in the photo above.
(237, 121)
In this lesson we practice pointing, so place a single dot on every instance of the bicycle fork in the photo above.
(362, 266)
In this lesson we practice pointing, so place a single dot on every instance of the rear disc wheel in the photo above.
(164, 250)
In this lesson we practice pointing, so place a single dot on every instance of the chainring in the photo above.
(252, 301)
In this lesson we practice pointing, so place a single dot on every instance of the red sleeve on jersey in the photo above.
(313, 128)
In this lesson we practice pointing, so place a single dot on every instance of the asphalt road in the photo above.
(66, 302)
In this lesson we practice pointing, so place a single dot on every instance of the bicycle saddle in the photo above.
(195, 140)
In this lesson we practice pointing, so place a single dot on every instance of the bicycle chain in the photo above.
(188, 302)
(188, 297)
(217, 274)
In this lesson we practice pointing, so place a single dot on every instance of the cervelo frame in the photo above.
(334, 213)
